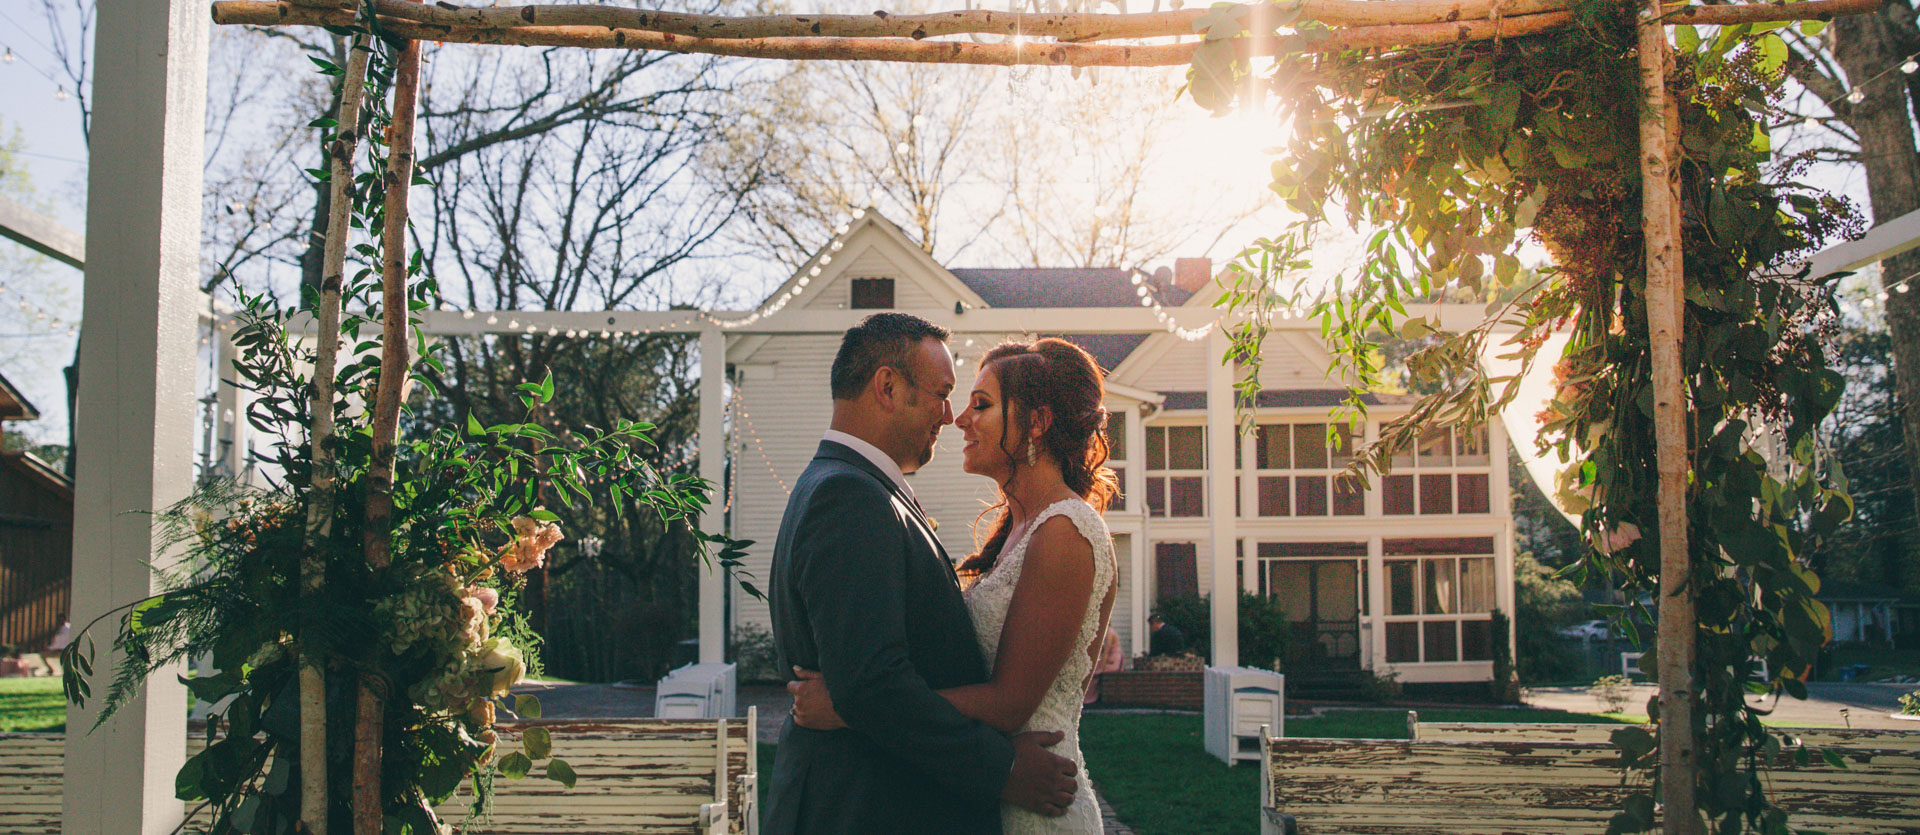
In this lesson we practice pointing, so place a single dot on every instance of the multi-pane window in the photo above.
(1177, 470)
(1447, 472)
(1117, 455)
(1440, 596)
(1298, 471)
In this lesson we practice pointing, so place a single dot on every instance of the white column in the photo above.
(713, 468)
(1220, 441)
(230, 407)
(1377, 602)
(1143, 566)
(1249, 508)
(136, 405)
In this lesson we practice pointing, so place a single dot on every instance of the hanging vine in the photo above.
(1453, 156)
(276, 579)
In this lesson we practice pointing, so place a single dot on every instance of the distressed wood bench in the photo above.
(1885, 740)
(1494, 787)
(695, 776)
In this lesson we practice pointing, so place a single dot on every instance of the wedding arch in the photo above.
(150, 83)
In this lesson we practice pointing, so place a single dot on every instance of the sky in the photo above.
(34, 350)
(34, 340)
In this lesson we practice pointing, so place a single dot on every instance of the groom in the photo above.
(863, 592)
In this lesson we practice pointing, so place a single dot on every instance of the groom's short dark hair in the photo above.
(883, 339)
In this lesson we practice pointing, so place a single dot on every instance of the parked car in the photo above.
(1592, 630)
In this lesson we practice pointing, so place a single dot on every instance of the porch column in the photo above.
(1142, 554)
(1221, 438)
(713, 468)
(136, 405)
(1376, 603)
(230, 408)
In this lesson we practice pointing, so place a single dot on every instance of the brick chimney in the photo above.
(1192, 274)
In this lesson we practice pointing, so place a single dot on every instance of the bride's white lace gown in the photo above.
(988, 601)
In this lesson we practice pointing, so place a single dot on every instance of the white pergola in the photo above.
(137, 392)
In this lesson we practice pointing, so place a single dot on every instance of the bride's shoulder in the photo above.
(1060, 537)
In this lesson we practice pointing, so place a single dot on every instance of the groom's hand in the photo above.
(1041, 781)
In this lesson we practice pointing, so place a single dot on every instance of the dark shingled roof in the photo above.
(1287, 398)
(1063, 287)
(1072, 287)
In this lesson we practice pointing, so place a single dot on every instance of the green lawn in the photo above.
(32, 704)
(1160, 780)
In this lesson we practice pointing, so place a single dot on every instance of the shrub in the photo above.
(753, 651)
(1910, 704)
(1264, 630)
(1612, 691)
(1384, 688)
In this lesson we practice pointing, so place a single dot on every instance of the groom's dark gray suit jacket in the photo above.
(862, 591)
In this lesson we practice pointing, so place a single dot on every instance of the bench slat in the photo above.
(1377, 787)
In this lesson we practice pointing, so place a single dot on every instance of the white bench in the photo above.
(1886, 740)
(1406, 787)
(635, 776)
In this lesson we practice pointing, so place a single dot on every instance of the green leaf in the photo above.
(560, 772)
(544, 516)
(539, 742)
(1687, 38)
(1773, 54)
(473, 426)
(546, 387)
(1811, 28)
(1834, 759)
(525, 705)
(515, 766)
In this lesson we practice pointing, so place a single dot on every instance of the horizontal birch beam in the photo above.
(915, 50)
(882, 24)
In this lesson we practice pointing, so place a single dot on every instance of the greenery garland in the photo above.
(1454, 154)
(437, 628)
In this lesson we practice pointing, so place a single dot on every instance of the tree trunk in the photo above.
(1867, 46)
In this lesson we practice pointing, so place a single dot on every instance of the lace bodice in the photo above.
(988, 601)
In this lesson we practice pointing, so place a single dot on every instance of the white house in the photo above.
(1402, 577)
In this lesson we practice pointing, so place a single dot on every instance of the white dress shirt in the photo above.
(872, 453)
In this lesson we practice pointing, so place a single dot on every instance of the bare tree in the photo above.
(815, 141)
(1855, 75)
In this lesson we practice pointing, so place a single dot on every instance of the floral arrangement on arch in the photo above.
(360, 611)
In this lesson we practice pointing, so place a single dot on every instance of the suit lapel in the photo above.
(841, 452)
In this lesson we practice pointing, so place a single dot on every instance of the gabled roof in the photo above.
(1074, 287)
(13, 404)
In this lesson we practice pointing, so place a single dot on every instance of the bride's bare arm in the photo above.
(1050, 599)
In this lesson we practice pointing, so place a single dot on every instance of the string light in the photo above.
(745, 421)
(7, 58)
(1910, 67)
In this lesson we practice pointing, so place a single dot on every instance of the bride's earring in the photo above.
(1033, 453)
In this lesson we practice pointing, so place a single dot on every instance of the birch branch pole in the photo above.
(906, 38)
(320, 498)
(370, 723)
(1660, 216)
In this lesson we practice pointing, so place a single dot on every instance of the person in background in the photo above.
(1166, 638)
(1110, 661)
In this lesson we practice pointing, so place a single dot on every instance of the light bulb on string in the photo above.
(492, 319)
(1857, 96)
(60, 93)
(1910, 67)
(7, 58)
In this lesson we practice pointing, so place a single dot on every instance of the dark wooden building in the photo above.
(36, 538)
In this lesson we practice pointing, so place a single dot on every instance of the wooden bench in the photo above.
(1394, 787)
(1885, 740)
(696, 776)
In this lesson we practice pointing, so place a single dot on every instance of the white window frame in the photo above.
(1167, 475)
(1458, 618)
(1408, 464)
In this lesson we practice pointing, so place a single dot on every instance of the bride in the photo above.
(1043, 584)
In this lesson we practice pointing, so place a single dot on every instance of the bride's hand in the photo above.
(812, 705)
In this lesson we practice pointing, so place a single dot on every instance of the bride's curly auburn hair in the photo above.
(1059, 376)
